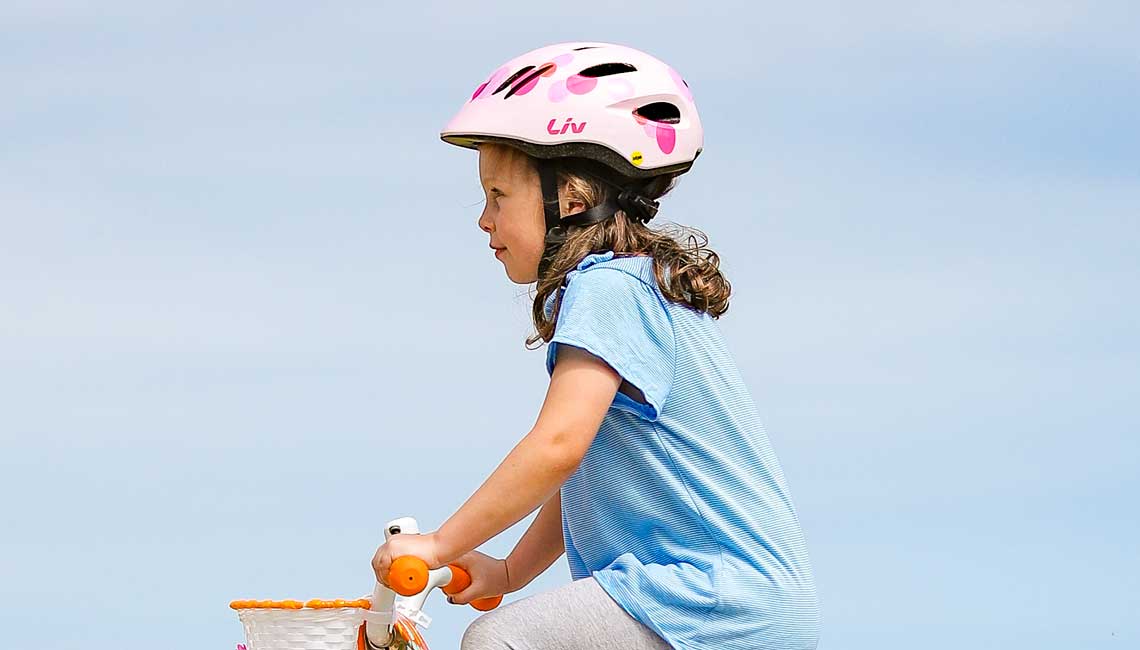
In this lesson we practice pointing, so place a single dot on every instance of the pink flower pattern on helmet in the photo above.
(558, 91)
(580, 85)
(661, 132)
(495, 79)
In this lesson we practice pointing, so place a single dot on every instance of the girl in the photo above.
(648, 460)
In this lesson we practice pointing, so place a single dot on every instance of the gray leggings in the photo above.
(577, 616)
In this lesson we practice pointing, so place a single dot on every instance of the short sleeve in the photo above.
(620, 319)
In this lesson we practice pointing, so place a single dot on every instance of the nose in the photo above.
(485, 223)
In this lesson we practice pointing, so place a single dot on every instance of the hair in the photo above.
(687, 271)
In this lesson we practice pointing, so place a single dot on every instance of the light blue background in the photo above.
(246, 315)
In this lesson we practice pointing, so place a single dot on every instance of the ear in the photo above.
(567, 205)
(574, 207)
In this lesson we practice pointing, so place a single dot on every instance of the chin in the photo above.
(521, 278)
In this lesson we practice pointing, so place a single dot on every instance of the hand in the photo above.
(424, 547)
(488, 577)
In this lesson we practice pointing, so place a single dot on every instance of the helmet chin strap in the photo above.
(635, 205)
(555, 236)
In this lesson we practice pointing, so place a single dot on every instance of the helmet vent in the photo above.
(660, 112)
(527, 79)
(588, 47)
(606, 69)
(511, 79)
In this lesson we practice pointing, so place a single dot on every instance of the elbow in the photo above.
(564, 449)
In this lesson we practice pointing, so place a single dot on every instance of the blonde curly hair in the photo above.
(687, 271)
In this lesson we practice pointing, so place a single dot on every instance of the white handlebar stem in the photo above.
(379, 634)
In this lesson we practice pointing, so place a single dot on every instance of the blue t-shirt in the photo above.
(679, 508)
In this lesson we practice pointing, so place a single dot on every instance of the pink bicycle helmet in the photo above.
(610, 104)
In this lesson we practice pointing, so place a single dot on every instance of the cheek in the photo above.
(525, 231)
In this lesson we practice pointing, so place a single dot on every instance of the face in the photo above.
(513, 215)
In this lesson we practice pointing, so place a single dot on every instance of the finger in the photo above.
(381, 570)
(463, 597)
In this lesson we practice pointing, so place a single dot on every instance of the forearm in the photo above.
(539, 547)
(582, 388)
(534, 471)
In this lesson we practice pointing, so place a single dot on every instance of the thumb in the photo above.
(463, 597)
(460, 577)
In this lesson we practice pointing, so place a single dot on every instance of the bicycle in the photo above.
(389, 620)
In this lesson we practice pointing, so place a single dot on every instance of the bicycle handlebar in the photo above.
(408, 576)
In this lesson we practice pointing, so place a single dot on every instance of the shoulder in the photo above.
(607, 269)
(618, 291)
(612, 308)
(607, 277)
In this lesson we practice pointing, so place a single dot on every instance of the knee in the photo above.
(481, 634)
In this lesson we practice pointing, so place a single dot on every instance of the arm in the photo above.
(582, 387)
(539, 547)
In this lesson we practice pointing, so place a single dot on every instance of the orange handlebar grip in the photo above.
(461, 580)
(408, 575)
(488, 603)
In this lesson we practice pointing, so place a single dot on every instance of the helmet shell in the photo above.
(610, 103)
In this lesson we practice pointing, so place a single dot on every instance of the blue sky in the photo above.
(247, 316)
